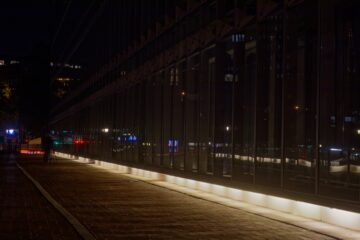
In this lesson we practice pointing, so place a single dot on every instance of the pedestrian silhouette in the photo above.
(47, 146)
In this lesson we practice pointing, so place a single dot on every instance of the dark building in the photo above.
(25, 48)
(258, 95)
(10, 76)
(24, 97)
(65, 77)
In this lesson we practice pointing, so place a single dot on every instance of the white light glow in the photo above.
(191, 183)
(203, 186)
(10, 131)
(280, 204)
(307, 210)
(218, 190)
(180, 181)
(341, 218)
(235, 194)
(336, 149)
(255, 198)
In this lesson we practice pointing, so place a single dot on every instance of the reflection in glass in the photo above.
(300, 106)
(340, 113)
(191, 112)
(206, 115)
(178, 114)
(269, 94)
(244, 115)
(167, 119)
(148, 138)
(157, 124)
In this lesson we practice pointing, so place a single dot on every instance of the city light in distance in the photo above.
(10, 131)
(336, 149)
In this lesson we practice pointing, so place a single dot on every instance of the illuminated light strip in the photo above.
(31, 152)
(298, 212)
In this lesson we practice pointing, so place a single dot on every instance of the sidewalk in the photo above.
(113, 206)
(24, 212)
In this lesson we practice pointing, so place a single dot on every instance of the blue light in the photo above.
(10, 131)
(238, 37)
(348, 119)
(173, 143)
(132, 138)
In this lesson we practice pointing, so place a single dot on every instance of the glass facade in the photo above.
(339, 129)
(273, 105)
(300, 103)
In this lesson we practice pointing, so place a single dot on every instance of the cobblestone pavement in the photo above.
(24, 212)
(113, 206)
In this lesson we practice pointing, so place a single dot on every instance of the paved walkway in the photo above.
(113, 206)
(24, 212)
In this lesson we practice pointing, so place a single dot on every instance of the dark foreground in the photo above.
(112, 206)
(24, 212)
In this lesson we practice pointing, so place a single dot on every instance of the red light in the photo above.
(79, 141)
(31, 151)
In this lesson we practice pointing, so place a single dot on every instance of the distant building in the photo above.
(26, 92)
(11, 73)
(65, 77)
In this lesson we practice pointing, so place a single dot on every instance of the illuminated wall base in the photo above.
(337, 217)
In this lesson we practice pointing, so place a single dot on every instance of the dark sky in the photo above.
(55, 24)
(26, 24)
(77, 31)
(23, 25)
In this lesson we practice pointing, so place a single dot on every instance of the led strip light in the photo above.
(333, 216)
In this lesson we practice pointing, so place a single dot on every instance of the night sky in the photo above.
(23, 26)
(81, 32)
(54, 24)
